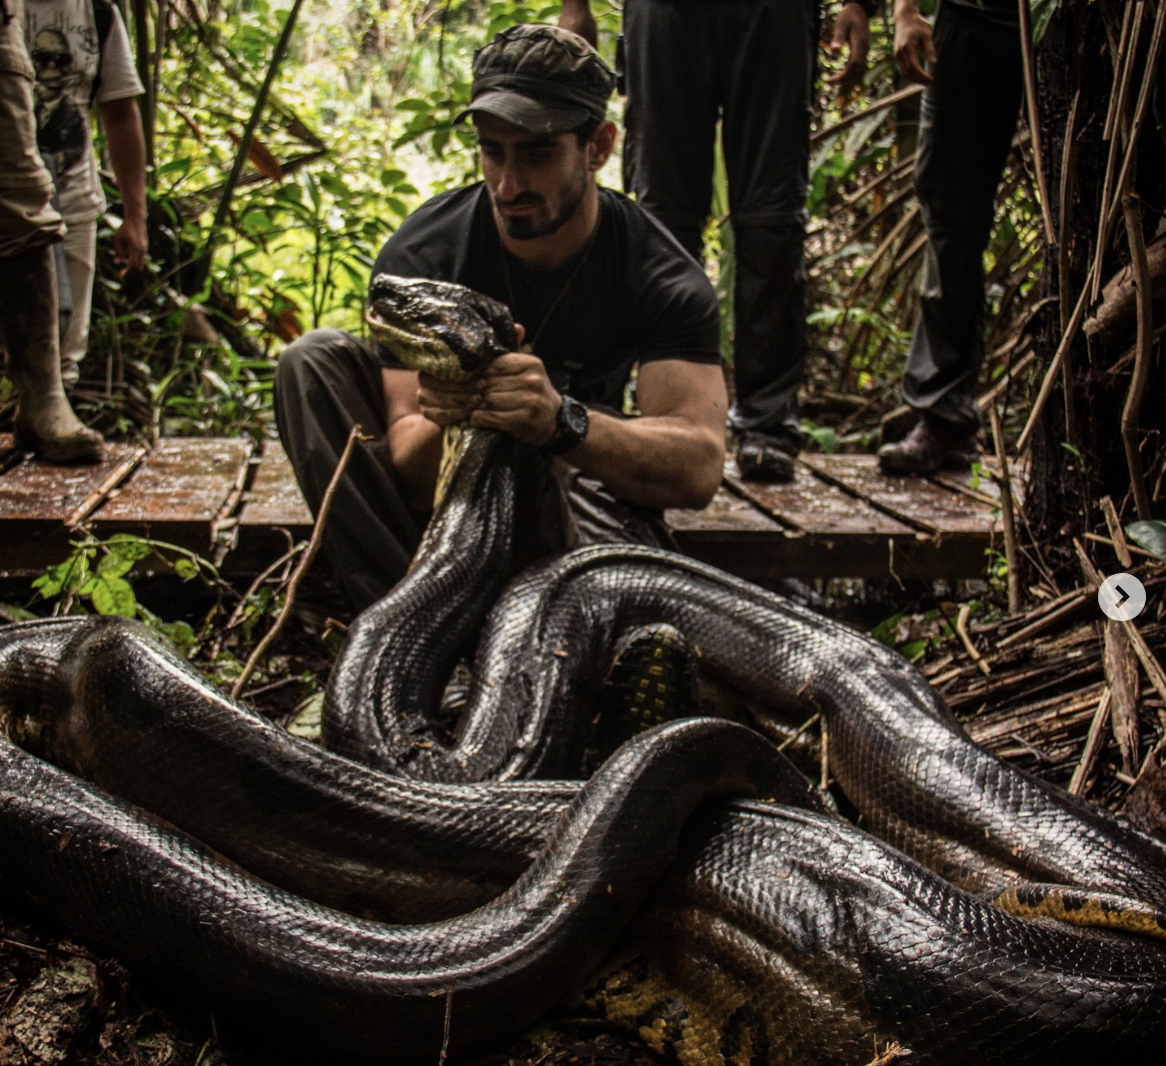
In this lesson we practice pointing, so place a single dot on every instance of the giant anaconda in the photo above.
(749, 931)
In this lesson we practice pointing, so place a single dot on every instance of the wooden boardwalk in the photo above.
(239, 505)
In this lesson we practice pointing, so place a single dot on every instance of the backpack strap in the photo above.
(102, 23)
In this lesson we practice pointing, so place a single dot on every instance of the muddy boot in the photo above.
(932, 445)
(45, 423)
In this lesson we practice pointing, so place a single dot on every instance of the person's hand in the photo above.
(518, 398)
(447, 402)
(576, 17)
(851, 32)
(912, 40)
(129, 246)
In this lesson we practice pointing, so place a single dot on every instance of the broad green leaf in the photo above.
(114, 595)
(114, 565)
(1149, 534)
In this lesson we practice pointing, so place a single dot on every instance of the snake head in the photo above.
(438, 327)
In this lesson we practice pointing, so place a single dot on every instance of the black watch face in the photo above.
(574, 416)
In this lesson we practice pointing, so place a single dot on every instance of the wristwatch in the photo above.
(570, 426)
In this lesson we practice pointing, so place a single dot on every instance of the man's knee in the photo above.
(306, 356)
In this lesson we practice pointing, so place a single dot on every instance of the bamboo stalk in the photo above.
(1034, 118)
(1123, 63)
(856, 116)
(1132, 411)
(253, 122)
(301, 567)
(1011, 555)
(1068, 178)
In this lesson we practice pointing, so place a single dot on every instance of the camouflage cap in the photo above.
(542, 79)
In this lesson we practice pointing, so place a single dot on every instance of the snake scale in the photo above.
(339, 901)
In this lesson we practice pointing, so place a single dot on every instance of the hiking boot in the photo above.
(932, 445)
(45, 421)
(761, 458)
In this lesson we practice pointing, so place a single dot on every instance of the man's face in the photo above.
(535, 183)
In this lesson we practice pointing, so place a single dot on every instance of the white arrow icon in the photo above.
(1121, 597)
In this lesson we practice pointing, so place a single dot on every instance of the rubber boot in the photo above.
(45, 422)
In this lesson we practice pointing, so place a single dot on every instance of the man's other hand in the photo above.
(447, 402)
(852, 33)
(129, 246)
(517, 397)
(913, 43)
(576, 16)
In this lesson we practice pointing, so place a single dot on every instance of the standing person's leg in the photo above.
(327, 382)
(28, 292)
(768, 58)
(969, 118)
(671, 112)
(81, 265)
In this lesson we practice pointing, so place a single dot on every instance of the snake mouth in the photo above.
(418, 349)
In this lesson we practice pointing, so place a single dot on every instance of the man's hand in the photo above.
(517, 397)
(576, 16)
(851, 32)
(913, 40)
(129, 246)
(447, 402)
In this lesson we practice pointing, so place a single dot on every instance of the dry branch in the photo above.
(301, 567)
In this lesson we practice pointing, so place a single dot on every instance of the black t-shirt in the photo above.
(637, 295)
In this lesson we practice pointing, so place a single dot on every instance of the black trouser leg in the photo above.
(969, 118)
(750, 62)
(325, 383)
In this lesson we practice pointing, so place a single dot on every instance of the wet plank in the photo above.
(728, 513)
(40, 492)
(814, 506)
(916, 502)
(274, 498)
(178, 491)
(274, 515)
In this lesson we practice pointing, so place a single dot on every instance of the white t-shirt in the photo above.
(68, 57)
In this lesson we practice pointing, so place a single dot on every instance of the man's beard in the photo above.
(528, 227)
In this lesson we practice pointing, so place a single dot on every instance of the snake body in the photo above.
(342, 908)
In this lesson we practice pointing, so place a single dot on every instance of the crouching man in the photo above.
(599, 286)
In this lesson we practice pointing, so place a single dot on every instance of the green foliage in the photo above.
(1149, 534)
(95, 576)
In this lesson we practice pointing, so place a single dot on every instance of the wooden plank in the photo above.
(727, 513)
(814, 506)
(33, 491)
(914, 501)
(177, 492)
(274, 498)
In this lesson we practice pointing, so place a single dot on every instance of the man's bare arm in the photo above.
(670, 457)
(414, 440)
(575, 15)
(122, 123)
(674, 454)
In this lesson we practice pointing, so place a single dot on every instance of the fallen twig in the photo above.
(1147, 658)
(1120, 545)
(1094, 740)
(961, 629)
(301, 567)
